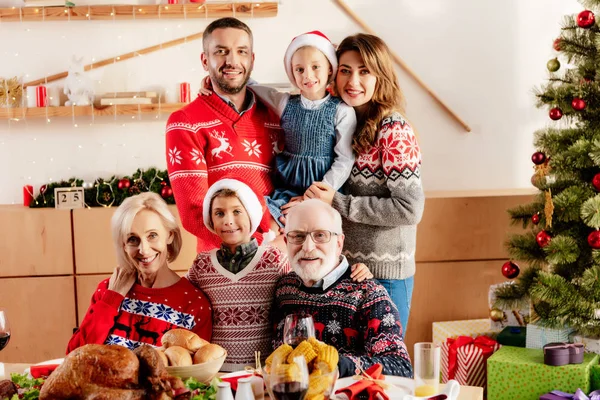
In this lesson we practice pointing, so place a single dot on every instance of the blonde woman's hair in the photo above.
(123, 218)
(387, 97)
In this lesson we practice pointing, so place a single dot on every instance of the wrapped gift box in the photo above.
(512, 317)
(464, 359)
(454, 329)
(512, 336)
(591, 345)
(538, 336)
(518, 373)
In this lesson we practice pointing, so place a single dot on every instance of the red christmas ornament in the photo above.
(538, 158)
(124, 184)
(578, 104)
(586, 19)
(596, 182)
(556, 114)
(543, 238)
(166, 192)
(43, 189)
(556, 44)
(535, 218)
(594, 239)
(163, 183)
(510, 270)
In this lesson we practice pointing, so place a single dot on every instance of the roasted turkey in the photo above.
(102, 372)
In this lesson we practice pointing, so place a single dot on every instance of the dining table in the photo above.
(466, 392)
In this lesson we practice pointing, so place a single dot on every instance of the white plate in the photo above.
(234, 374)
(400, 386)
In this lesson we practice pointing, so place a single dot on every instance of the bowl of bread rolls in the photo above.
(188, 355)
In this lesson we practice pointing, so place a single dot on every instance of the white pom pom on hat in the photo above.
(314, 39)
(251, 202)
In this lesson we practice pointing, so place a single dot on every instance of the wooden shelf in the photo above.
(126, 12)
(80, 111)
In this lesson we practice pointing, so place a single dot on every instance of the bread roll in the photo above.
(208, 353)
(184, 338)
(163, 357)
(178, 356)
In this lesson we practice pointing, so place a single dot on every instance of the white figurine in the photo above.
(78, 86)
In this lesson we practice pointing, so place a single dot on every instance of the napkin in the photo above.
(42, 371)
(233, 380)
(372, 388)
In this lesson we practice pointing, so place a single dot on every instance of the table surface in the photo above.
(466, 392)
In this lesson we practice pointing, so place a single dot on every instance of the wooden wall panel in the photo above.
(41, 312)
(465, 228)
(94, 250)
(35, 241)
(449, 291)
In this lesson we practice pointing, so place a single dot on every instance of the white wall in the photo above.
(482, 57)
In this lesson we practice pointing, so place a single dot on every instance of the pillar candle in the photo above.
(184, 92)
(27, 195)
(41, 96)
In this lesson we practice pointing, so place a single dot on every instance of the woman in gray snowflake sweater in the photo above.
(382, 202)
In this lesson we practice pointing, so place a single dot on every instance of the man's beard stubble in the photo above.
(222, 83)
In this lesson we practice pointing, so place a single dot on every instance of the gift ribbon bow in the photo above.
(576, 346)
(579, 395)
(370, 380)
(485, 343)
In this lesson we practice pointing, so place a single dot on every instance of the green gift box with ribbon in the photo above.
(519, 373)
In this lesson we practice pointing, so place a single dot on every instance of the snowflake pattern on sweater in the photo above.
(143, 315)
(359, 319)
(207, 141)
(241, 302)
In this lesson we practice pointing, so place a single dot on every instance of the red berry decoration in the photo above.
(578, 104)
(594, 239)
(556, 44)
(538, 158)
(124, 184)
(535, 218)
(596, 182)
(586, 19)
(556, 114)
(543, 238)
(510, 270)
(166, 192)
(163, 183)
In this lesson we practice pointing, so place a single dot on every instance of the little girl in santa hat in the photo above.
(318, 127)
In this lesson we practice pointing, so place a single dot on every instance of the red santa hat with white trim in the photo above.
(251, 202)
(314, 39)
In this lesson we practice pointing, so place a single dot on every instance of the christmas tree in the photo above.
(562, 246)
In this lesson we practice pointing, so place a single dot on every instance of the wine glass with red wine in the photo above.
(4, 329)
(289, 381)
(297, 328)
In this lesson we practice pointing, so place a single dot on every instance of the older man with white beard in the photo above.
(359, 319)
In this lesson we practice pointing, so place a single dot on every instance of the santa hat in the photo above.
(247, 197)
(314, 39)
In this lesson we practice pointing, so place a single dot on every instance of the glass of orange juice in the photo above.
(427, 369)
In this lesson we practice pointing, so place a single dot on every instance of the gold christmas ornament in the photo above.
(542, 169)
(11, 92)
(496, 315)
(548, 209)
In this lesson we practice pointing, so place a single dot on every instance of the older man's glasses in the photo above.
(318, 236)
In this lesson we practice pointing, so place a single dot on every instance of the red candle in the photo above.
(27, 195)
(184, 92)
(40, 96)
(173, 1)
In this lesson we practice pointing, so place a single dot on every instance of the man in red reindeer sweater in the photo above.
(228, 134)
(359, 319)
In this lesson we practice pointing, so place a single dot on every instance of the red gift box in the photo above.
(464, 359)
